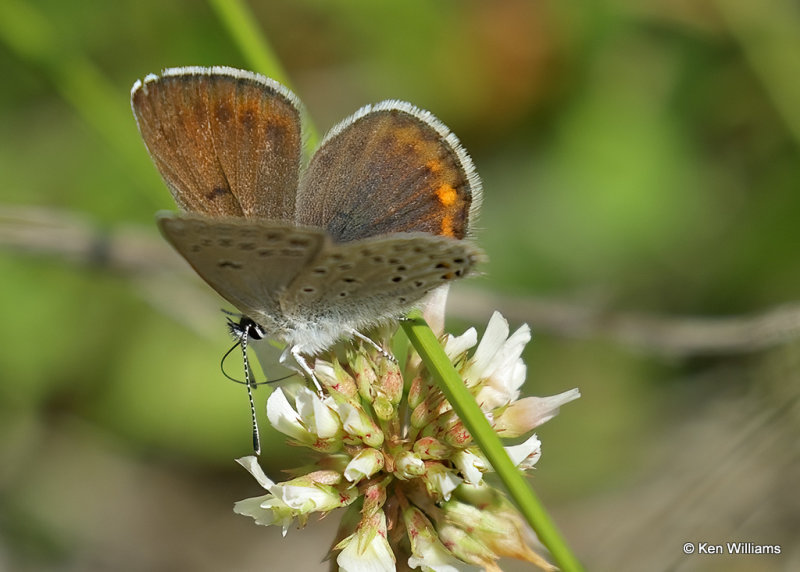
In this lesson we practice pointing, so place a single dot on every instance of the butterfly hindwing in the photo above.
(248, 263)
(368, 280)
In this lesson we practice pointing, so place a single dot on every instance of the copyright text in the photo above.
(730, 548)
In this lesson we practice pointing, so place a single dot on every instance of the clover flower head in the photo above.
(401, 463)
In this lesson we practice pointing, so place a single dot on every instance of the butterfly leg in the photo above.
(370, 342)
(301, 361)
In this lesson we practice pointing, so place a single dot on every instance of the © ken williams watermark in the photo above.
(730, 548)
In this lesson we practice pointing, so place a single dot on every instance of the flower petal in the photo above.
(505, 373)
(409, 465)
(530, 412)
(454, 346)
(285, 419)
(366, 463)
(358, 423)
(251, 464)
(266, 511)
(470, 465)
(316, 415)
(427, 551)
(493, 339)
(367, 550)
(527, 453)
(440, 481)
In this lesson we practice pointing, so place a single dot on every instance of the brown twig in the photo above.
(141, 254)
(677, 336)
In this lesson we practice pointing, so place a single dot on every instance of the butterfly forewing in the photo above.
(226, 142)
(248, 263)
(373, 279)
(389, 168)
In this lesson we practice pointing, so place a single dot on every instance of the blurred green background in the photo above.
(642, 201)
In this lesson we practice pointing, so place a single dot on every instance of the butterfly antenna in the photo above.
(222, 363)
(250, 384)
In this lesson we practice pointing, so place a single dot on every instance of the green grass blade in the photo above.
(27, 31)
(242, 27)
(450, 382)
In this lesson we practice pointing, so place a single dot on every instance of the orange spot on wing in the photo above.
(447, 195)
(446, 228)
(434, 166)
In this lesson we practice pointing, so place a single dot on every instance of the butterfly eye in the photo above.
(255, 331)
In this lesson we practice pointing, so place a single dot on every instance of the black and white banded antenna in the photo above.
(242, 331)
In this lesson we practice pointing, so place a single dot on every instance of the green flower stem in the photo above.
(240, 23)
(434, 358)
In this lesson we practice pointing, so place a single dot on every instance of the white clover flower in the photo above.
(285, 419)
(319, 417)
(402, 460)
(409, 465)
(440, 481)
(297, 498)
(454, 346)
(470, 465)
(497, 365)
(367, 550)
(363, 465)
(527, 453)
(530, 412)
(427, 550)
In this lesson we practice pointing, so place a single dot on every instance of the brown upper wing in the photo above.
(389, 168)
(227, 142)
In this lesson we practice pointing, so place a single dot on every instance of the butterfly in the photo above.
(309, 254)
